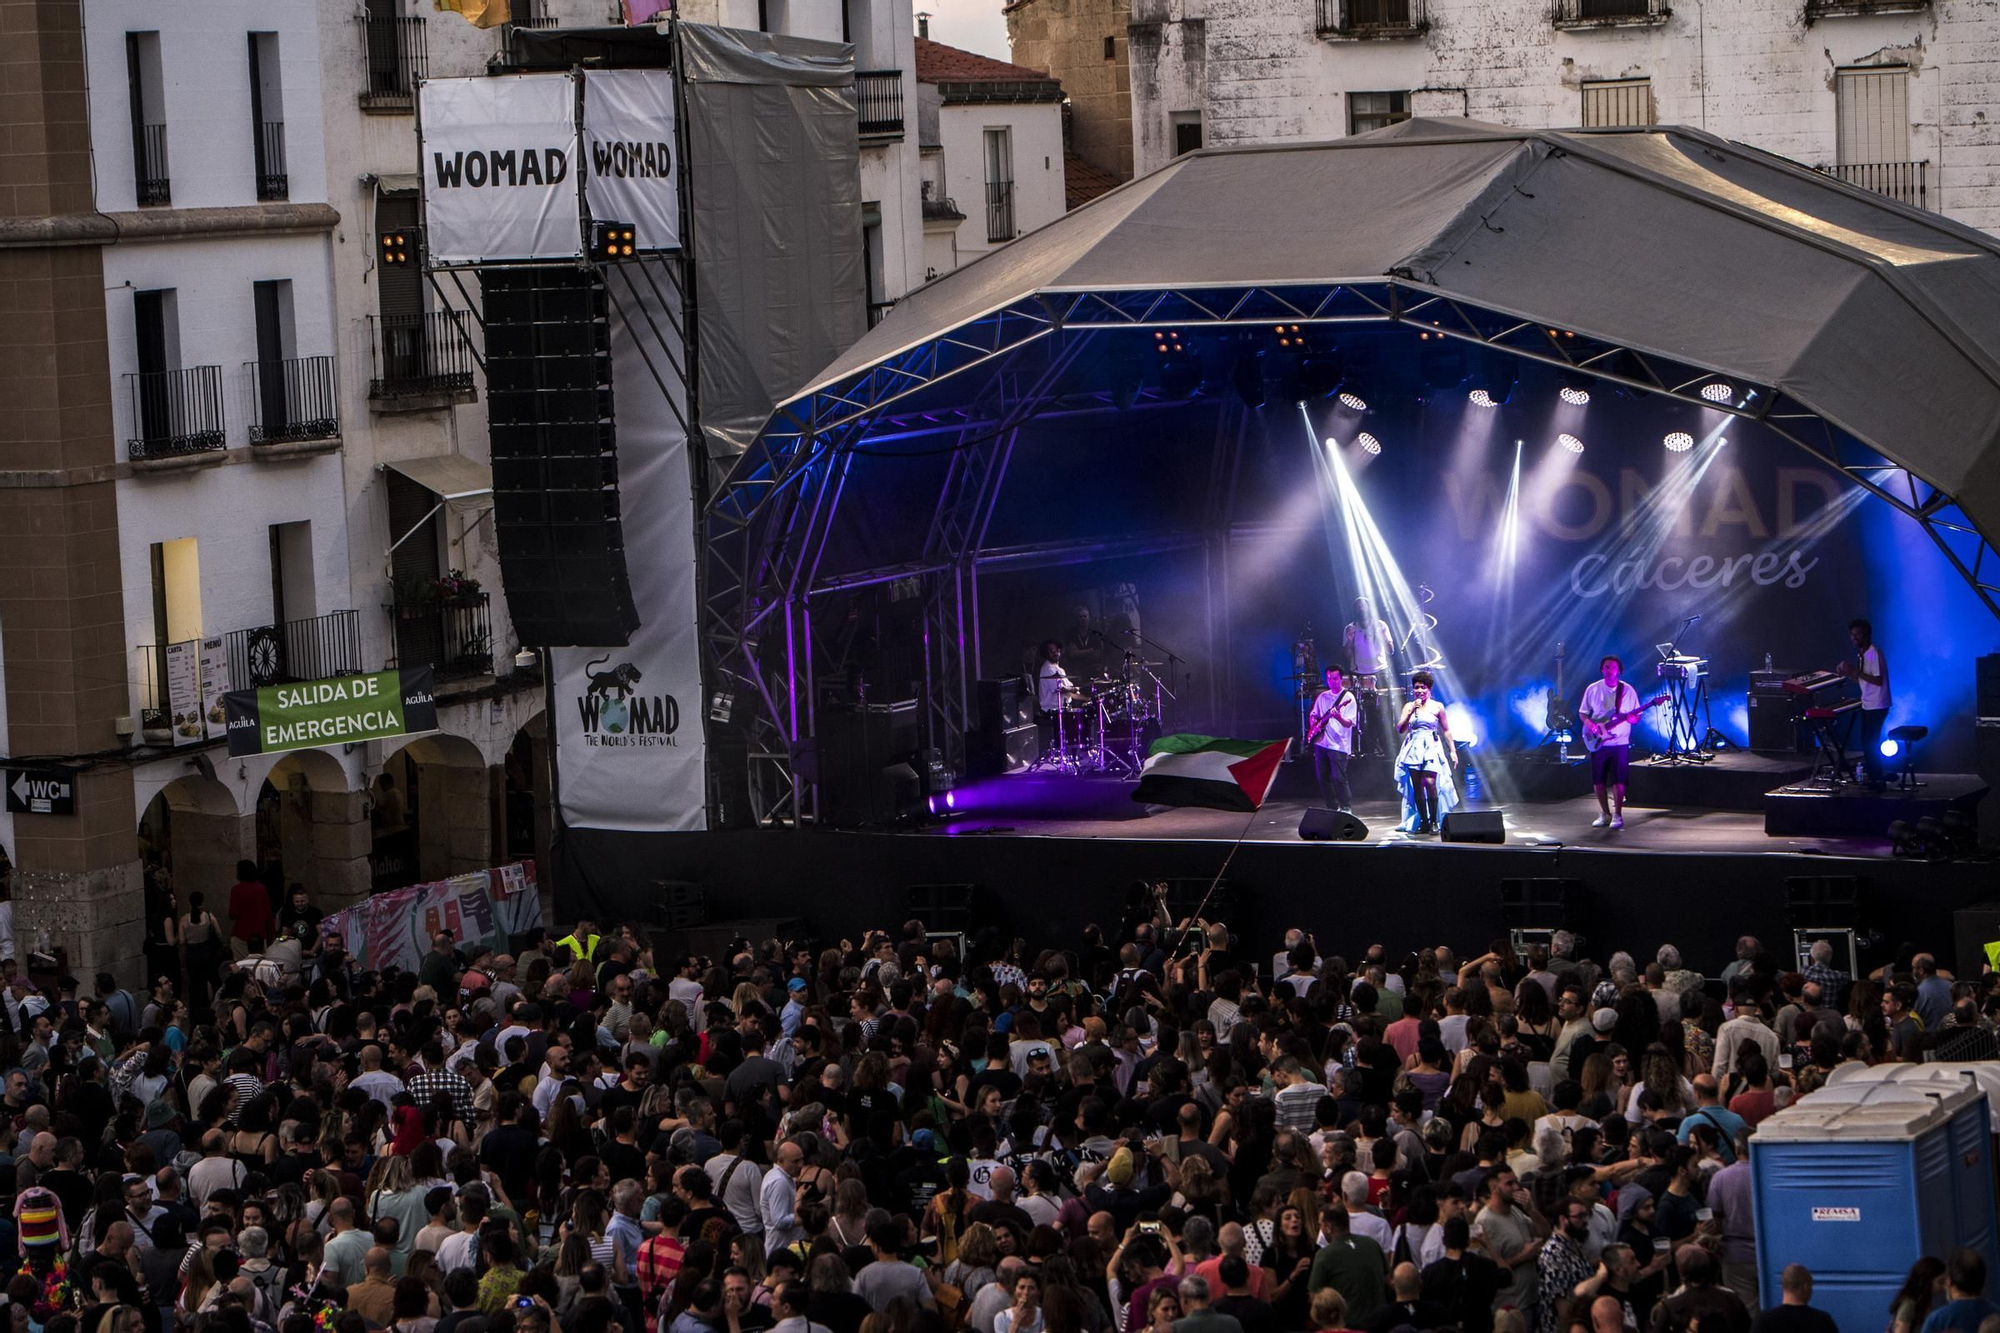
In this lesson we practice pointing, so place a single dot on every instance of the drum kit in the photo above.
(1106, 723)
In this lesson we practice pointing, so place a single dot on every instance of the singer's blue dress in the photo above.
(1424, 751)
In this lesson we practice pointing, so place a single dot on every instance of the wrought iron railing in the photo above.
(398, 59)
(999, 210)
(272, 182)
(150, 173)
(1370, 18)
(313, 649)
(176, 412)
(293, 400)
(451, 635)
(878, 101)
(1902, 181)
(420, 354)
(1610, 11)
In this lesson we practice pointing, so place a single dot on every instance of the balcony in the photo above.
(444, 624)
(314, 649)
(150, 176)
(175, 413)
(1360, 20)
(397, 58)
(1609, 13)
(293, 401)
(1833, 9)
(273, 184)
(421, 361)
(999, 211)
(878, 103)
(507, 57)
(1902, 181)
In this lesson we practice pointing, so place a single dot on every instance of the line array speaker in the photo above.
(555, 456)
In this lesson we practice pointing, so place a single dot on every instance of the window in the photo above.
(999, 185)
(267, 117)
(176, 570)
(1371, 111)
(1617, 102)
(1873, 110)
(149, 119)
(292, 593)
(1110, 48)
(156, 334)
(176, 591)
(1187, 131)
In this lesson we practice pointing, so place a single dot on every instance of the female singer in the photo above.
(1425, 763)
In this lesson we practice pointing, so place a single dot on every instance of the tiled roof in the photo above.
(938, 63)
(1083, 182)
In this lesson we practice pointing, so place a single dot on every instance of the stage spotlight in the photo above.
(1570, 442)
(613, 240)
(1679, 442)
(1717, 392)
(1901, 745)
(1352, 401)
(1574, 396)
(1369, 444)
(1480, 398)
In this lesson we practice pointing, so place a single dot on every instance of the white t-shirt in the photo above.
(1050, 682)
(1333, 733)
(1874, 696)
(1370, 646)
(1599, 701)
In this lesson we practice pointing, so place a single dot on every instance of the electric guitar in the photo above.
(1593, 730)
(1557, 718)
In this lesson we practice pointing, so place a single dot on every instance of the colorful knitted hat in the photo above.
(39, 1220)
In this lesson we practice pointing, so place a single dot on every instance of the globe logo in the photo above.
(614, 715)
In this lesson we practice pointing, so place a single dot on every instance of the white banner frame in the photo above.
(521, 125)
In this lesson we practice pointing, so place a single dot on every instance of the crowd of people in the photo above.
(1160, 1130)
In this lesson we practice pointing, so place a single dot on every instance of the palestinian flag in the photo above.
(1208, 770)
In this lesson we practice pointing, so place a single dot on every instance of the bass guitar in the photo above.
(1557, 718)
(1594, 730)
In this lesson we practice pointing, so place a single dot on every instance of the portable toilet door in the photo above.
(1972, 1168)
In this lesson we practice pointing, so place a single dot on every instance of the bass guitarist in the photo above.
(1610, 707)
(1330, 738)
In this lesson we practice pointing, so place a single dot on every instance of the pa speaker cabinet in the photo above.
(1319, 825)
(1475, 826)
(989, 754)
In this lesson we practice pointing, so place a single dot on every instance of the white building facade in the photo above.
(992, 146)
(1895, 96)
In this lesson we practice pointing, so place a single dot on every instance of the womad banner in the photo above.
(482, 907)
(499, 161)
(330, 712)
(628, 733)
(628, 141)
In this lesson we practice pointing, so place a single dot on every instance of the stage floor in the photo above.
(1101, 808)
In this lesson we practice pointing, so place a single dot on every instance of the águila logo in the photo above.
(615, 711)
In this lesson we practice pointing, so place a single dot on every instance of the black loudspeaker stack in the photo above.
(1474, 826)
(867, 763)
(1007, 736)
(555, 457)
(1319, 825)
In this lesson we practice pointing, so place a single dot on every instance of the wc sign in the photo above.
(41, 791)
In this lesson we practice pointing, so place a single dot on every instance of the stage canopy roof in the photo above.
(1882, 318)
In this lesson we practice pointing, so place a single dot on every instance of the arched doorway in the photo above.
(525, 797)
(430, 813)
(190, 838)
(312, 830)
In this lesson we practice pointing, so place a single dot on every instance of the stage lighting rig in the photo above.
(1368, 443)
(1570, 442)
(1352, 401)
(1678, 442)
(613, 240)
(397, 248)
(1575, 393)
(1718, 391)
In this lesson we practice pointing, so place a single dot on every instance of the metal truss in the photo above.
(768, 521)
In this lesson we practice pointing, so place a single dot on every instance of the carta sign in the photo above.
(329, 712)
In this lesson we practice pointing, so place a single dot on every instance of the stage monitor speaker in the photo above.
(553, 439)
(989, 756)
(1004, 703)
(1774, 715)
(1543, 903)
(1987, 678)
(1318, 825)
(1475, 826)
(1822, 900)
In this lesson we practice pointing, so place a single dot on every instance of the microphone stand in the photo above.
(1158, 685)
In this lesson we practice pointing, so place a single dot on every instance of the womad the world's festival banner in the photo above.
(485, 907)
(628, 733)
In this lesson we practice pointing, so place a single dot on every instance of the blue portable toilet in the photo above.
(1859, 1181)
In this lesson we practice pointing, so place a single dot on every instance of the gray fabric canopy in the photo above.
(1883, 319)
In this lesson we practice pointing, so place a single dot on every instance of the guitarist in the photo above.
(1330, 737)
(1610, 706)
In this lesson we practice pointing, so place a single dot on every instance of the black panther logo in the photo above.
(623, 679)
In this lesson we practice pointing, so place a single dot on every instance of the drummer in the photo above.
(1052, 684)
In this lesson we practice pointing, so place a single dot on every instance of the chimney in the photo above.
(924, 24)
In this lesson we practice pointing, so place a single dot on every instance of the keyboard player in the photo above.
(1870, 669)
